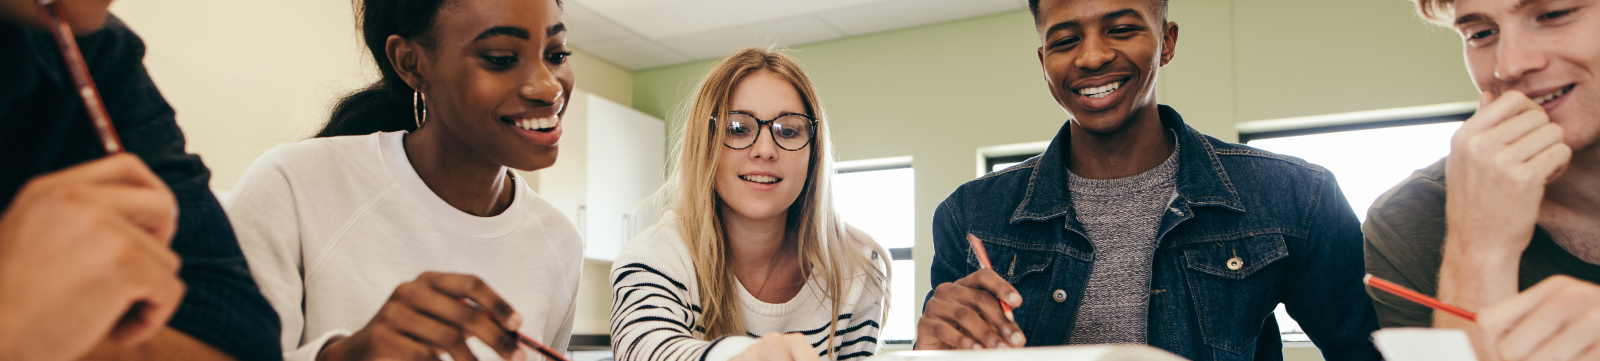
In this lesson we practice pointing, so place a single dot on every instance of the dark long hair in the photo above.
(384, 106)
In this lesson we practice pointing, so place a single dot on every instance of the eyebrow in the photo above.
(513, 31)
(1476, 17)
(1107, 17)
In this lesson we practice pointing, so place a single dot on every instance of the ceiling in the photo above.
(643, 34)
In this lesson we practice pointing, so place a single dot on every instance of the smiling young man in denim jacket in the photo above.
(1134, 228)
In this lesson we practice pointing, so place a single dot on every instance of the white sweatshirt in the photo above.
(331, 226)
(655, 305)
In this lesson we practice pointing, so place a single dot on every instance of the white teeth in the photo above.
(1551, 96)
(763, 179)
(1100, 91)
(538, 123)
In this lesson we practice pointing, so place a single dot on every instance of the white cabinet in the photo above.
(611, 162)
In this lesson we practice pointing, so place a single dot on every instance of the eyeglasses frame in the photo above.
(767, 125)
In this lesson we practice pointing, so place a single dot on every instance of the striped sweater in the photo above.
(655, 307)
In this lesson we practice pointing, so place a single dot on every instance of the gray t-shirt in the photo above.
(1121, 217)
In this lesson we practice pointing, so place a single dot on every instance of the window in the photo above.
(878, 197)
(1368, 152)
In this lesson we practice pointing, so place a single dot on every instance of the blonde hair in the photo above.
(1437, 11)
(827, 249)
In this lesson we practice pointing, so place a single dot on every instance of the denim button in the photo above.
(1060, 296)
(1235, 263)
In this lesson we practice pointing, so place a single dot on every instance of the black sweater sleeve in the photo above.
(222, 307)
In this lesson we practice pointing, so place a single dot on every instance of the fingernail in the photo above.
(1018, 340)
(1015, 299)
(519, 356)
(977, 346)
(514, 322)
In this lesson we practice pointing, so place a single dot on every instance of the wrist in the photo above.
(1474, 278)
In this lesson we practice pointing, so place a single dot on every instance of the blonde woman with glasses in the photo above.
(750, 261)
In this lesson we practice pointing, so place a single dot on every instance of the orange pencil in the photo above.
(1419, 298)
(983, 260)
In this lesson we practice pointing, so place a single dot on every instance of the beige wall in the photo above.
(938, 93)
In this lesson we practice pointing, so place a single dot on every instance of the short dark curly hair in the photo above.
(1161, 8)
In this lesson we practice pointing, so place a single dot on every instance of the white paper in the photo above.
(1054, 353)
(1423, 344)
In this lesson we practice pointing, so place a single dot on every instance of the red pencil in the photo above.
(1419, 298)
(80, 76)
(983, 260)
(535, 345)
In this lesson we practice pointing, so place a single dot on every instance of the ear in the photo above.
(405, 56)
(1169, 42)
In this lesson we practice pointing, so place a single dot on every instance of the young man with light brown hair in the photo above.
(1515, 233)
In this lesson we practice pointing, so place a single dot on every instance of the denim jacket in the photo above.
(1248, 230)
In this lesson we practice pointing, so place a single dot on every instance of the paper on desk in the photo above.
(1423, 344)
(1054, 353)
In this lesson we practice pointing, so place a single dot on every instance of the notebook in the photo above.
(1423, 344)
(1054, 353)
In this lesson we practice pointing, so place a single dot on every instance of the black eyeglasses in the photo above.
(791, 131)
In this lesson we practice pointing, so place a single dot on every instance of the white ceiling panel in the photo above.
(899, 14)
(786, 32)
(660, 19)
(633, 52)
(641, 34)
(586, 26)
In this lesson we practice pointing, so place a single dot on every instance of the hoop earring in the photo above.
(419, 110)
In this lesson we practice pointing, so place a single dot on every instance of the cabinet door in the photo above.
(564, 184)
(626, 156)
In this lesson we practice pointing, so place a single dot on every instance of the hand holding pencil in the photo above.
(972, 312)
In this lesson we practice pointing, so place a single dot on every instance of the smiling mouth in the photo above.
(545, 124)
(763, 179)
(1101, 91)
(1553, 95)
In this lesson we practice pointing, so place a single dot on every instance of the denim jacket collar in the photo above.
(1202, 181)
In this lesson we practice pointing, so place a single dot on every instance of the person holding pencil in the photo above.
(123, 255)
(1507, 225)
(401, 231)
(1134, 228)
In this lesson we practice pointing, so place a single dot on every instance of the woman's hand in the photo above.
(428, 317)
(779, 347)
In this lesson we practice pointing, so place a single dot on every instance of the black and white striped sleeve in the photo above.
(653, 318)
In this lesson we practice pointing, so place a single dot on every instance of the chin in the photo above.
(539, 160)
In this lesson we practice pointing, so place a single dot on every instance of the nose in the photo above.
(764, 147)
(1518, 55)
(542, 87)
(1095, 54)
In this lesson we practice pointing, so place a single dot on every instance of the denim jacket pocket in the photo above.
(1230, 283)
(1026, 266)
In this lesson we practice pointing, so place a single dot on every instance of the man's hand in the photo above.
(83, 253)
(1557, 319)
(779, 347)
(1500, 161)
(426, 317)
(966, 314)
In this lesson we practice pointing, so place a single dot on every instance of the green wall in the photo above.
(939, 92)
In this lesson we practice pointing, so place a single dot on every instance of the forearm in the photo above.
(168, 344)
(1474, 280)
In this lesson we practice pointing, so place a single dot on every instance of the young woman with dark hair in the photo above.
(387, 235)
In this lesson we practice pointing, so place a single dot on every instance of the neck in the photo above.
(754, 243)
(479, 188)
(1141, 145)
(1575, 189)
